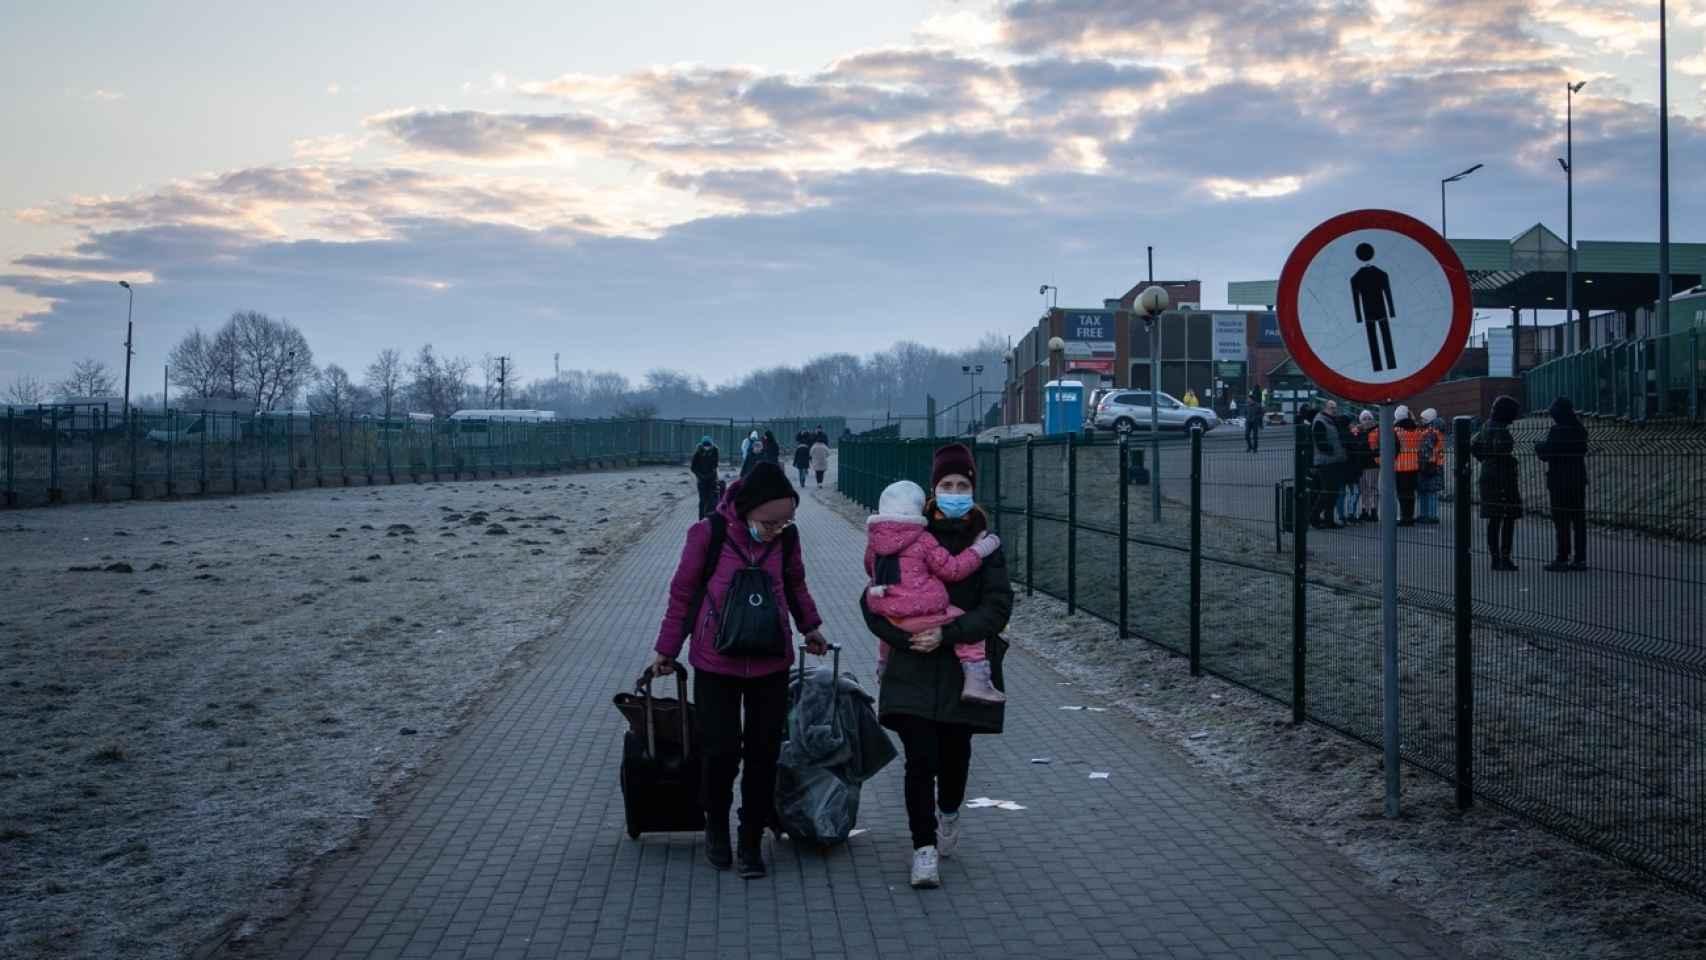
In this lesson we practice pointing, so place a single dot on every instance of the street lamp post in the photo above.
(1568, 162)
(129, 308)
(1151, 303)
(1045, 288)
(1451, 179)
(972, 370)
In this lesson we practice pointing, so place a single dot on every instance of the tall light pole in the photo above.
(972, 370)
(1451, 179)
(1664, 186)
(1568, 162)
(129, 308)
(1045, 288)
(1151, 303)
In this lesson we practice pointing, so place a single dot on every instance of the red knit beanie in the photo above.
(953, 458)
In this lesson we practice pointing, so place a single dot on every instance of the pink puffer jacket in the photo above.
(925, 567)
(739, 549)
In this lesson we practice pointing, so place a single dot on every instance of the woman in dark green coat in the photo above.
(919, 696)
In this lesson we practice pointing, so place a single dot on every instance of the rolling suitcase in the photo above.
(660, 771)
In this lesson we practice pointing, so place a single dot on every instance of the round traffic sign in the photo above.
(1374, 305)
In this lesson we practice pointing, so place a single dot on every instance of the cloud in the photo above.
(104, 96)
(474, 134)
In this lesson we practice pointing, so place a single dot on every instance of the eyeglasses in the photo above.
(774, 526)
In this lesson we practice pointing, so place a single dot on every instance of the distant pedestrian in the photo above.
(820, 459)
(1253, 414)
(1329, 459)
(751, 453)
(1407, 468)
(704, 467)
(1190, 398)
(1564, 451)
(770, 450)
(802, 459)
(820, 436)
(1501, 493)
(1357, 461)
(741, 662)
(1368, 482)
(1431, 481)
(1344, 501)
(922, 685)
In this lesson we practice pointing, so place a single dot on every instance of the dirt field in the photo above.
(200, 697)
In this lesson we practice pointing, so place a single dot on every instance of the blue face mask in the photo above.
(954, 505)
(752, 529)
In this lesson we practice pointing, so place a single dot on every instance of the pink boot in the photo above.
(979, 687)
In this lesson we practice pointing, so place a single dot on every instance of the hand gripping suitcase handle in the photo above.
(643, 687)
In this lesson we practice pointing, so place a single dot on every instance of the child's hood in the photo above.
(891, 535)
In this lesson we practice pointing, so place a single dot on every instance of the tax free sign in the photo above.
(1091, 330)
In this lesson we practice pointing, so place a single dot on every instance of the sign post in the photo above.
(1375, 306)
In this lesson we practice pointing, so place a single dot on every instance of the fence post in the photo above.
(997, 480)
(1071, 524)
(235, 449)
(1300, 568)
(171, 452)
(11, 470)
(94, 451)
(201, 471)
(1030, 515)
(54, 493)
(290, 447)
(1694, 374)
(130, 429)
(1125, 538)
(1196, 551)
(1462, 607)
(432, 448)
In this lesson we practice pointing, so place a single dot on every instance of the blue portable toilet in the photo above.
(1063, 406)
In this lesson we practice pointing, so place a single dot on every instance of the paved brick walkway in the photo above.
(514, 846)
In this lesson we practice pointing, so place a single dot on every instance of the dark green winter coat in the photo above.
(928, 685)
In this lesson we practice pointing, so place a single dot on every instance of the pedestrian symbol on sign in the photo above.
(1371, 291)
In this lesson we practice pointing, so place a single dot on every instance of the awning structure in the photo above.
(1528, 272)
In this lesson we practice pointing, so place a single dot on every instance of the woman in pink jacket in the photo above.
(749, 671)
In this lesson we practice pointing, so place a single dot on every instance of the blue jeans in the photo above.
(1430, 505)
(1350, 501)
(1339, 508)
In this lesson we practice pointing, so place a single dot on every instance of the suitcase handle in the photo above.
(643, 687)
(834, 682)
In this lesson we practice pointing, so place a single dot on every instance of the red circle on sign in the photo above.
(1291, 280)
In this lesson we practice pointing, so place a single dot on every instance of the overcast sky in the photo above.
(716, 187)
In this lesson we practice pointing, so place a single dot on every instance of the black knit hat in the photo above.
(1505, 409)
(765, 483)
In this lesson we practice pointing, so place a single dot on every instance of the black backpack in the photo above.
(748, 624)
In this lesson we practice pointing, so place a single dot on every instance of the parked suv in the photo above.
(1127, 410)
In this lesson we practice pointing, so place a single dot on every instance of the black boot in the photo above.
(751, 853)
(717, 842)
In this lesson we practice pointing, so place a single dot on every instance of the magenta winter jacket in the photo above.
(738, 550)
(925, 566)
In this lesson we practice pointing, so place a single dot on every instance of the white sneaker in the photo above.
(925, 872)
(947, 833)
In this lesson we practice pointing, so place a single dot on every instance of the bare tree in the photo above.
(25, 391)
(335, 394)
(385, 378)
(273, 358)
(198, 366)
(89, 378)
(438, 383)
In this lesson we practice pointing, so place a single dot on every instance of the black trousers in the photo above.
(1501, 536)
(820, 474)
(938, 763)
(707, 497)
(1252, 432)
(1570, 515)
(1407, 480)
(725, 743)
(1329, 480)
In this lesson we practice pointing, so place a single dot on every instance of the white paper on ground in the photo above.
(1071, 708)
(1098, 776)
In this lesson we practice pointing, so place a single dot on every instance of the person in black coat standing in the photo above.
(1501, 493)
(1564, 451)
(1253, 420)
(704, 467)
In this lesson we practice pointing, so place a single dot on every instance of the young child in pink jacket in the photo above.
(917, 598)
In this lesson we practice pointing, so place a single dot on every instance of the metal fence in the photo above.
(62, 453)
(1576, 698)
(1661, 376)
